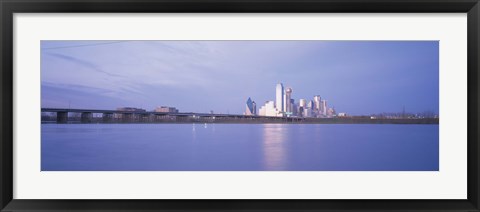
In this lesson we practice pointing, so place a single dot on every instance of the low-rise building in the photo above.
(269, 109)
(165, 109)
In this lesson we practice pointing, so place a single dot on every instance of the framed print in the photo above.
(240, 105)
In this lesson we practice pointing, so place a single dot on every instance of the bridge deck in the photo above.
(72, 110)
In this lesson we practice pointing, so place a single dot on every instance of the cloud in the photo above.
(83, 63)
(220, 75)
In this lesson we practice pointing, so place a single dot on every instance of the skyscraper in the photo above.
(324, 107)
(302, 105)
(254, 108)
(279, 98)
(293, 107)
(250, 108)
(287, 100)
(317, 100)
(311, 105)
(285, 106)
(317, 105)
(307, 112)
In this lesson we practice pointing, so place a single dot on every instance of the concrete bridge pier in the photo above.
(62, 117)
(86, 117)
(144, 117)
(127, 117)
(107, 117)
(158, 118)
(163, 118)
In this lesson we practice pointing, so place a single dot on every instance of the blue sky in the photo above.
(357, 77)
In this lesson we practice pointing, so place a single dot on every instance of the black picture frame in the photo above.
(9, 7)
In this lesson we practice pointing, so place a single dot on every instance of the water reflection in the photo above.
(194, 133)
(274, 138)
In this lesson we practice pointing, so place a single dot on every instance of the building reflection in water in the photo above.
(194, 132)
(274, 152)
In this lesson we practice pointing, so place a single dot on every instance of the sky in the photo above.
(356, 77)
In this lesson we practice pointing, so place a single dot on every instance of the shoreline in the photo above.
(434, 121)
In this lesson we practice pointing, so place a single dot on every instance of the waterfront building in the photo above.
(311, 107)
(269, 109)
(310, 104)
(331, 112)
(307, 112)
(279, 98)
(165, 109)
(303, 103)
(293, 107)
(300, 112)
(324, 107)
(317, 100)
(250, 107)
(288, 101)
(342, 114)
(262, 111)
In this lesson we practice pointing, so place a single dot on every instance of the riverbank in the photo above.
(262, 120)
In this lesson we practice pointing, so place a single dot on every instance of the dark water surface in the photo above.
(239, 147)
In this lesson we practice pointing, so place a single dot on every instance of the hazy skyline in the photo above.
(356, 77)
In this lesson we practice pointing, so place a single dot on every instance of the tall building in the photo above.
(310, 105)
(285, 106)
(324, 107)
(317, 100)
(288, 103)
(279, 98)
(302, 105)
(311, 109)
(307, 112)
(293, 107)
(250, 107)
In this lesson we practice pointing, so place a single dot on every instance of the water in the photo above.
(239, 147)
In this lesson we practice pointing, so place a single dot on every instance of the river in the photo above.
(239, 147)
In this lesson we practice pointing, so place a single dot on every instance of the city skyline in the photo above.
(360, 77)
(285, 106)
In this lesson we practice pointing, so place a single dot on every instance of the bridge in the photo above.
(125, 116)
